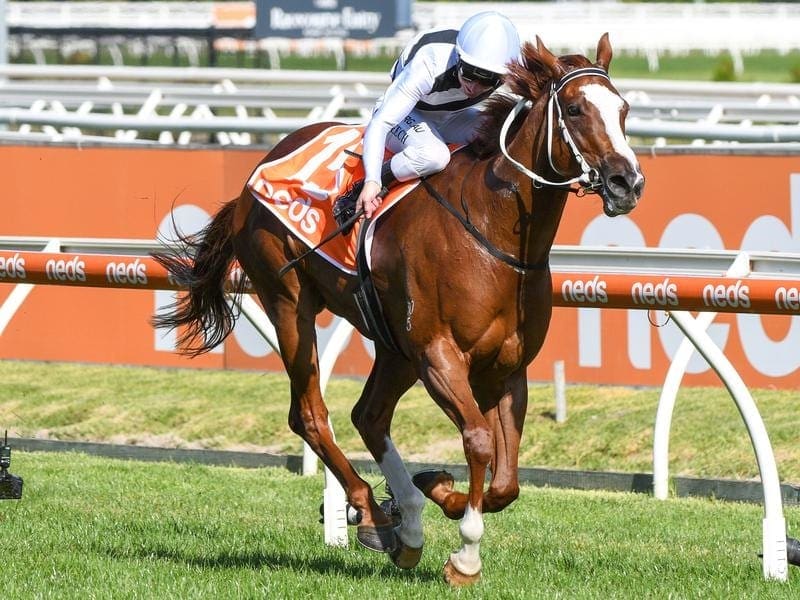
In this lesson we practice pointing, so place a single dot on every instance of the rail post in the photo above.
(775, 565)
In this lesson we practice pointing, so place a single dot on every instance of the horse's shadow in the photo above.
(332, 564)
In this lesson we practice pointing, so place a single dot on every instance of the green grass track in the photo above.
(100, 528)
(608, 428)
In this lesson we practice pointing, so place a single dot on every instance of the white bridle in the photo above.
(589, 176)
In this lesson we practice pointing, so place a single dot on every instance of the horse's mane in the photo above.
(529, 79)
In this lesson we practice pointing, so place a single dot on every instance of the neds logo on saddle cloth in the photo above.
(301, 187)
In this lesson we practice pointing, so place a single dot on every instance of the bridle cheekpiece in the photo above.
(589, 179)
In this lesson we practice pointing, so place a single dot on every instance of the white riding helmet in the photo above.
(488, 40)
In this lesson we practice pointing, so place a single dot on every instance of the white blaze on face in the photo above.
(609, 105)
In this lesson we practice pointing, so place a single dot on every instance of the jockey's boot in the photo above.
(344, 207)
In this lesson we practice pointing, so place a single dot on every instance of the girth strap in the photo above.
(369, 305)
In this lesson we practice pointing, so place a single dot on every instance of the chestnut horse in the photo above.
(466, 292)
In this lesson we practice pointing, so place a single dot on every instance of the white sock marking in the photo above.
(468, 559)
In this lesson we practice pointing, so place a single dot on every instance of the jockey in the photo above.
(438, 83)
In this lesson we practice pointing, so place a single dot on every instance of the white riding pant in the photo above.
(419, 142)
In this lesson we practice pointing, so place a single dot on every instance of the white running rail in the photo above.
(163, 105)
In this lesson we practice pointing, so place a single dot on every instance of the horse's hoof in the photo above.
(429, 481)
(405, 557)
(456, 578)
(379, 539)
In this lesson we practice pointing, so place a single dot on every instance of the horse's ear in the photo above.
(549, 59)
(604, 52)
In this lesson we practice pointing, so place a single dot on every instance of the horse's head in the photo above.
(590, 114)
(583, 121)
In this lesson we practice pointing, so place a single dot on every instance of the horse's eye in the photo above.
(573, 110)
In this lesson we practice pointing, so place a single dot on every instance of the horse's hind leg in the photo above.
(294, 316)
(390, 377)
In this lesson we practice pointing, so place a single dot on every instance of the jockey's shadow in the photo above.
(369, 563)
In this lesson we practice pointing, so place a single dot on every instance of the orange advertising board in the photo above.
(691, 201)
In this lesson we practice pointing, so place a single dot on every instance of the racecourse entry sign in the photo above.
(331, 18)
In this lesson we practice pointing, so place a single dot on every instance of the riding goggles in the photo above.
(486, 78)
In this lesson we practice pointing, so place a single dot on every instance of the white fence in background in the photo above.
(651, 29)
(146, 15)
(231, 106)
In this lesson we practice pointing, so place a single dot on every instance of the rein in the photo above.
(509, 259)
(589, 179)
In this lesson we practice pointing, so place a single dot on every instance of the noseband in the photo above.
(589, 179)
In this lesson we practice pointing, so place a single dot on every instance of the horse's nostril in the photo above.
(618, 184)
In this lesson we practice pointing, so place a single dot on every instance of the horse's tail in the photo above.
(201, 263)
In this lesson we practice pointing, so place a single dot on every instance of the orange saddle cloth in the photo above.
(301, 187)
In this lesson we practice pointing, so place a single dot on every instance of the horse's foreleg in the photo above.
(506, 420)
(372, 415)
(446, 377)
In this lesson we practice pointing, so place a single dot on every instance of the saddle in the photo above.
(300, 189)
